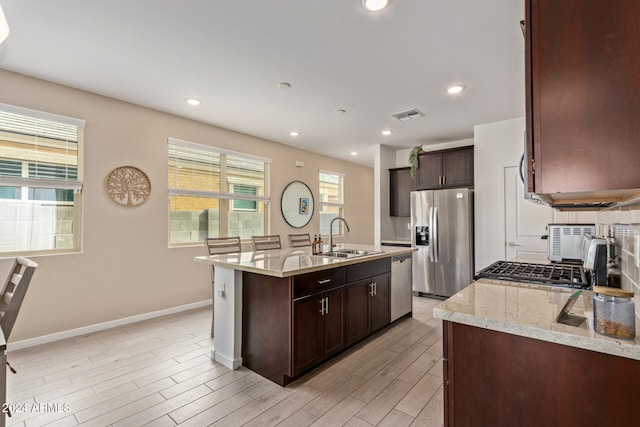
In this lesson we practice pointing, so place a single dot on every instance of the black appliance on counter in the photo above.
(565, 275)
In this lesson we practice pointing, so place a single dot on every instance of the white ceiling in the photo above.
(336, 55)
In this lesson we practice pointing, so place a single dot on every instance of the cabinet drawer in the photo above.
(363, 270)
(318, 281)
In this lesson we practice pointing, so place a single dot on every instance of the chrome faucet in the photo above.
(331, 230)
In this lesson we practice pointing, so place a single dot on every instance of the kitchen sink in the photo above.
(349, 253)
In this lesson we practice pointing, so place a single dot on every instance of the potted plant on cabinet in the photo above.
(413, 159)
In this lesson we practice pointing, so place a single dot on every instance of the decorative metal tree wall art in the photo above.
(128, 186)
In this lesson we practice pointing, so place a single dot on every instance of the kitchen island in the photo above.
(507, 362)
(283, 312)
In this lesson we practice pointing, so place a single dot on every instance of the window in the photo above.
(244, 205)
(215, 193)
(331, 201)
(40, 181)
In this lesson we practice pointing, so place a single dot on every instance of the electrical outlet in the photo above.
(220, 288)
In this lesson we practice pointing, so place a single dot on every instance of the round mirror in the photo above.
(297, 204)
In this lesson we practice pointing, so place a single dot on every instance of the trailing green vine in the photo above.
(413, 159)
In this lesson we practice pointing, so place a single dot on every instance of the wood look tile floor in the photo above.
(159, 373)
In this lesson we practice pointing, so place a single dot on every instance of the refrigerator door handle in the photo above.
(436, 246)
(430, 247)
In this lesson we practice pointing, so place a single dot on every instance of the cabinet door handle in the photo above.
(326, 305)
(444, 180)
(325, 281)
(375, 288)
(371, 289)
(322, 307)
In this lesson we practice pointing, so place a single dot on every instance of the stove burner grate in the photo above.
(547, 274)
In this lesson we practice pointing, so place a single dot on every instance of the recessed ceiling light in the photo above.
(455, 89)
(374, 5)
(387, 132)
(193, 101)
(294, 133)
(354, 153)
(283, 85)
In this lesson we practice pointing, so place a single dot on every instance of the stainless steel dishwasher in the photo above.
(401, 288)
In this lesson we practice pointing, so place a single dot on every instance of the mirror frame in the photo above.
(296, 190)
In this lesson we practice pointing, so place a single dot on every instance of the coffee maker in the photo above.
(594, 250)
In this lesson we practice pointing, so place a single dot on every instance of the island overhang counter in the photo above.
(278, 284)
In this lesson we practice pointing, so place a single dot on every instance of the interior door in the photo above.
(525, 220)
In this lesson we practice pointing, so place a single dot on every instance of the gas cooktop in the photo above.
(567, 275)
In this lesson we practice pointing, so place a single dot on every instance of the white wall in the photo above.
(384, 160)
(499, 145)
(126, 268)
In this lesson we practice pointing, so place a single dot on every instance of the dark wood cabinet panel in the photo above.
(498, 379)
(318, 281)
(306, 333)
(358, 320)
(266, 307)
(445, 169)
(318, 328)
(366, 270)
(381, 302)
(400, 187)
(287, 329)
(457, 167)
(368, 306)
(429, 174)
(333, 323)
(582, 67)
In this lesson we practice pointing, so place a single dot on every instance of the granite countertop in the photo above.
(530, 311)
(294, 261)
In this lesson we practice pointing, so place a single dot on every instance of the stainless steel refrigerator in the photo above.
(442, 231)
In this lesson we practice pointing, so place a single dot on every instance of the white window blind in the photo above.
(47, 147)
(40, 181)
(331, 191)
(215, 192)
(331, 203)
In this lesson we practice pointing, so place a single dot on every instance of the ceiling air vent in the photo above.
(414, 113)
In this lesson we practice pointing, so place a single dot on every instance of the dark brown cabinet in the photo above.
(367, 300)
(400, 187)
(582, 62)
(318, 328)
(290, 325)
(498, 379)
(445, 169)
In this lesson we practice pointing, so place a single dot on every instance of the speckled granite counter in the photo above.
(530, 311)
(293, 261)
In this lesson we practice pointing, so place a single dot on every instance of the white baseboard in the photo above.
(227, 362)
(102, 326)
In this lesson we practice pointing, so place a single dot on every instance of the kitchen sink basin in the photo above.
(349, 253)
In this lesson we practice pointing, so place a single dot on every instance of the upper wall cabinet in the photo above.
(400, 185)
(582, 67)
(445, 169)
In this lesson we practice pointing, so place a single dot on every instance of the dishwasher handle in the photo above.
(401, 258)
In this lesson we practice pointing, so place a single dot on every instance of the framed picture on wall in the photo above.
(304, 206)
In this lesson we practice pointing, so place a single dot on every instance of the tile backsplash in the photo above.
(623, 223)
